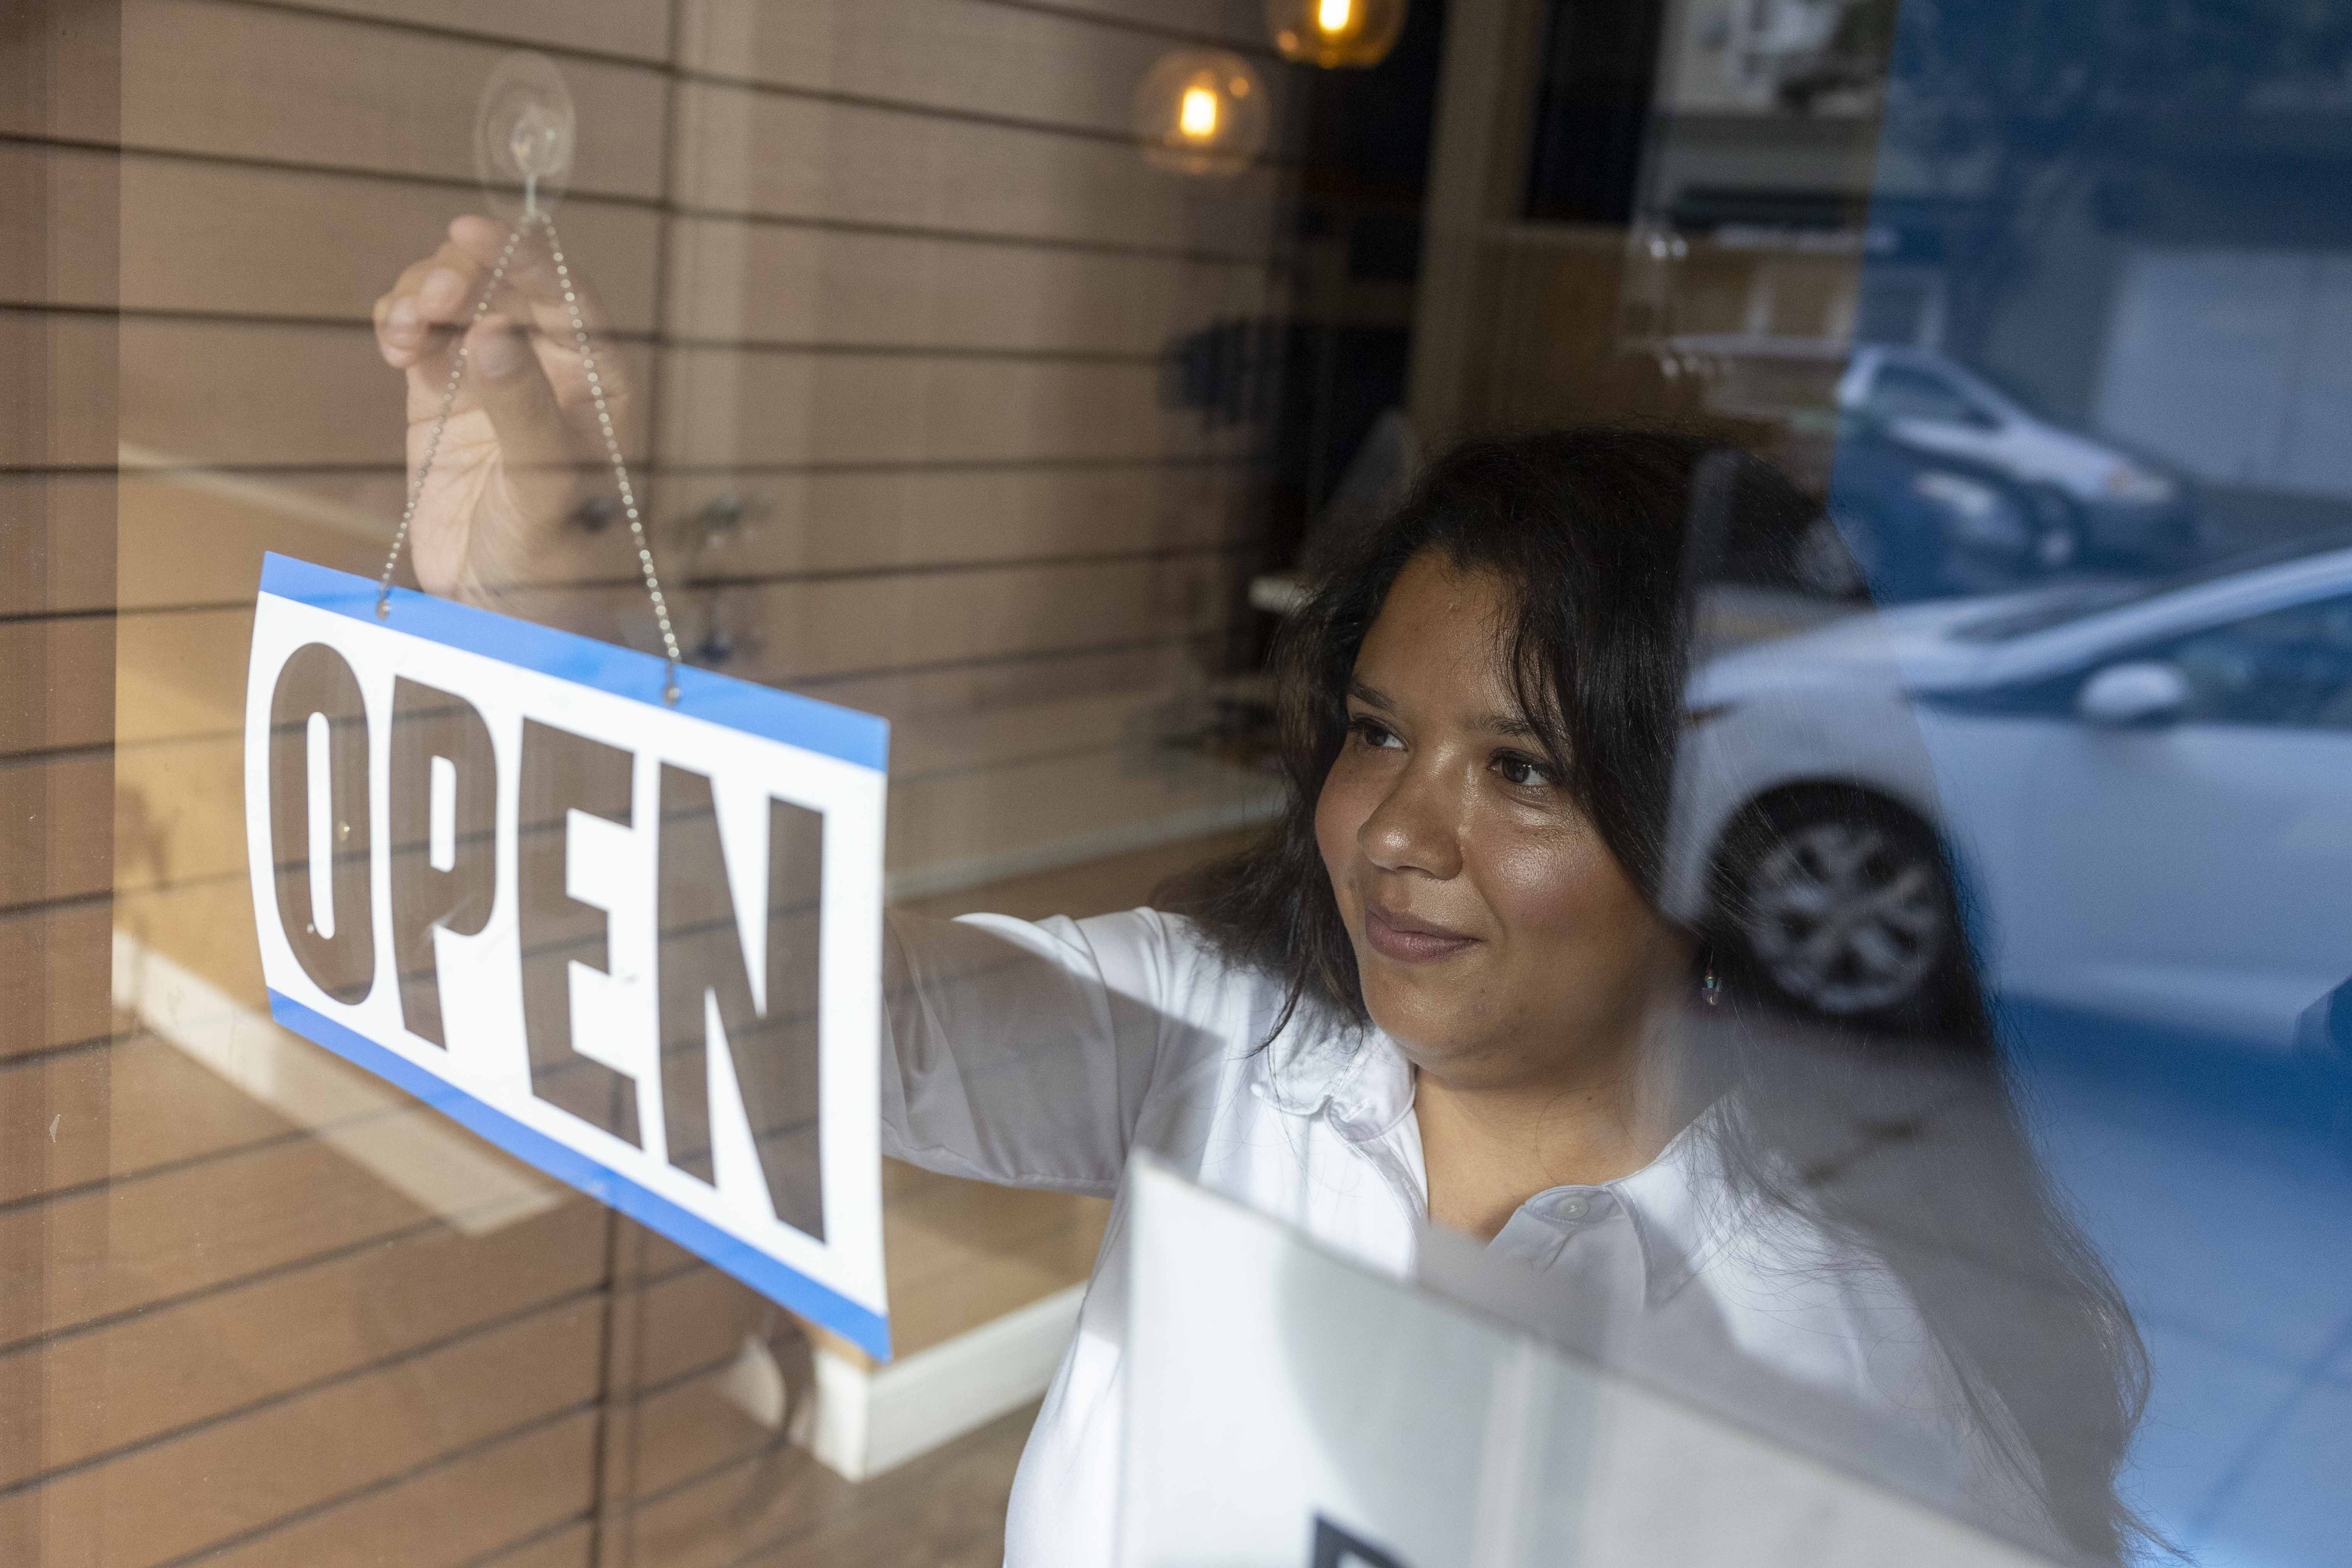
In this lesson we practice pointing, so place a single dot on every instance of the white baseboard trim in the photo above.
(1149, 833)
(868, 1419)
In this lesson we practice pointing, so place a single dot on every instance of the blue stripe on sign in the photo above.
(781, 1284)
(796, 721)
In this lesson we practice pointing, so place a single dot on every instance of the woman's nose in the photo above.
(1414, 828)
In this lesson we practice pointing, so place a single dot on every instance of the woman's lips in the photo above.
(1409, 941)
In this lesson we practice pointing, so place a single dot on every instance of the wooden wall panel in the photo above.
(795, 522)
(71, 260)
(738, 280)
(684, 1324)
(280, 87)
(990, 820)
(77, 653)
(685, 1430)
(38, 579)
(230, 393)
(188, 1230)
(967, 56)
(206, 927)
(56, 821)
(1156, 663)
(866, 625)
(734, 408)
(71, 1120)
(565, 1546)
(55, 965)
(596, 27)
(218, 238)
(58, 400)
(182, 674)
(766, 155)
(185, 806)
(173, 1369)
(721, 1518)
(449, 1514)
(214, 1485)
(343, 521)
(1239, 23)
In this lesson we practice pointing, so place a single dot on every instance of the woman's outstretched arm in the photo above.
(1020, 1053)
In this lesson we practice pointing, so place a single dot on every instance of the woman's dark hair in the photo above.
(1911, 1147)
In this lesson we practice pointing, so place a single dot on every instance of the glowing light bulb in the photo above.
(1197, 115)
(1335, 32)
(1201, 112)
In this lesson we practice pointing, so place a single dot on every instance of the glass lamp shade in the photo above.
(1201, 111)
(1335, 32)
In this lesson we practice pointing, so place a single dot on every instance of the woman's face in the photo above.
(1498, 940)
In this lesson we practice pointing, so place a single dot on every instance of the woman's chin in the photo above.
(1422, 1017)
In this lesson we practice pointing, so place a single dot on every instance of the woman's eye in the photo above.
(1523, 772)
(1371, 733)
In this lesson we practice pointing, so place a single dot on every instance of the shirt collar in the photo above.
(1355, 1073)
(1676, 1202)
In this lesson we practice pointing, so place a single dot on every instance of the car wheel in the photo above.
(1827, 560)
(1841, 906)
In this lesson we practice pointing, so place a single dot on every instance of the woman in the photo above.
(1442, 990)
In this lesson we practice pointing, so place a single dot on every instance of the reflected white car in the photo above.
(2143, 794)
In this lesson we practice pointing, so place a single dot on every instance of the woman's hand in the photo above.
(522, 450)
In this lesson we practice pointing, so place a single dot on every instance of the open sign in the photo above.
(637, 945)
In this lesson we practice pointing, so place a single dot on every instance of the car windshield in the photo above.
(2080, 600)
(2005, 389)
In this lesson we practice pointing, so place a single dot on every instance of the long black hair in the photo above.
(1912, 1148)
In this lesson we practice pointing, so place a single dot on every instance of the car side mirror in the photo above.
(2139, 691)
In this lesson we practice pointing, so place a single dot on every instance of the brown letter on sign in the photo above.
(775, 1053)
(428, 722)
(316, 679)
(564, 773)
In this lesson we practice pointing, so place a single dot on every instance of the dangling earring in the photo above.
(1709, 987)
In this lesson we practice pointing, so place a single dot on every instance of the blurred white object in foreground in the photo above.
(1288, 1407)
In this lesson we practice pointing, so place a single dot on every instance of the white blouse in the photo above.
(1038, 1055)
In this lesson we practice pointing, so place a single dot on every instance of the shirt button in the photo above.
(1571, 1208)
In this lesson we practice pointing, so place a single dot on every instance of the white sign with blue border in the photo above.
(635, 944)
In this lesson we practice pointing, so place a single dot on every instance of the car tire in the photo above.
(1839, 904)
(1826, 560)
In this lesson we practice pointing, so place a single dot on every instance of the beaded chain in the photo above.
(534, 214)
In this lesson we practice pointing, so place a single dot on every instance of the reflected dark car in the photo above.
(2091, 499)
(1916, 524)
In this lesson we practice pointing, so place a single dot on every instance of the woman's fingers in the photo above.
(432, 295)
(531, 274)
(541, 464)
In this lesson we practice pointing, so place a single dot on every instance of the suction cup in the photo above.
(523, 136)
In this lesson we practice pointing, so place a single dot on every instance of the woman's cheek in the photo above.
(1547, 882)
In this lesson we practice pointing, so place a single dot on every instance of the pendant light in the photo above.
(1335, 32)
(1201, 111)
